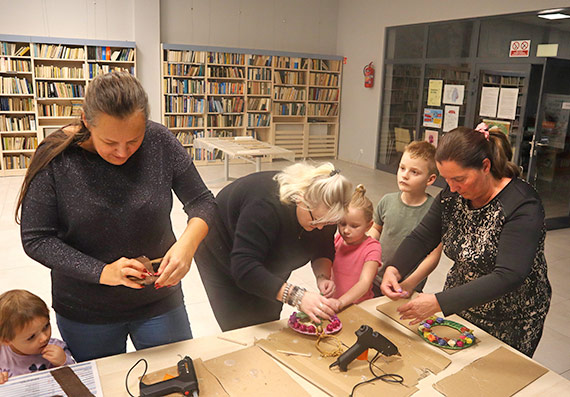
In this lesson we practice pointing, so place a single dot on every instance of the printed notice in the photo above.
(453, 94)
(489, 99)
(451, 118)
(433, 118)
(508, 103)
(434, 92)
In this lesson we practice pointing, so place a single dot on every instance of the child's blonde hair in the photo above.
(361, 202)
(17, 309)
(423, 150)
(313, 186)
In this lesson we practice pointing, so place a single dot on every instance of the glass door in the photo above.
(549, 168)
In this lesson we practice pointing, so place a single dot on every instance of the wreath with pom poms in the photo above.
(465, 340)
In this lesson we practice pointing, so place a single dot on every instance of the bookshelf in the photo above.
(289, 100)
(43, 83)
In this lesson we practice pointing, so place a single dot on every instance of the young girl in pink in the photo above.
(357, 255)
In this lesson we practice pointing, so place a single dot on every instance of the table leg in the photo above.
(257, 164)
(226, 168)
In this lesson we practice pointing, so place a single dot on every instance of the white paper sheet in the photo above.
(453, 94)
(451, 118)
(42, 384)
(508, 103)
(489, 99)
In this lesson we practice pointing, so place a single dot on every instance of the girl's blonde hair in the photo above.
(18, 308)
(361, 202)
(315, 186)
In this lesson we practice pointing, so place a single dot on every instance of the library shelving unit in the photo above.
(290, 100)
(43, 86)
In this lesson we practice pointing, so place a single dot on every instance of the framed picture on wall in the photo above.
(504, 126)
(432, 136)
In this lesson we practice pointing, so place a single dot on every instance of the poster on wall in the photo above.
(453, 94)
(451, 119)
(434, 92)
(489, 99)
(432, 136)
(504, 126)
(433, 118)
(508, 103)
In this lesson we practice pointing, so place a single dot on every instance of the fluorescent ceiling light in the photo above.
(557, 15)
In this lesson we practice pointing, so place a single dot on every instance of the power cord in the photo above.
(390, 378)
(128, 373)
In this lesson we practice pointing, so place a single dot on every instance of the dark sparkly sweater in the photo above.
(81, 213)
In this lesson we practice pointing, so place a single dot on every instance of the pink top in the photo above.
(349, 261)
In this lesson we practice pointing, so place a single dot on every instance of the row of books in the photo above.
(16, 104)
(321, 109)
(225, 105)
(17, 162)
(258, 103)
(59, 110)
(185, 137)
(290, 93)
(14, 65)
(183, 86)
(50, 71)
(184, 104)
(325, 64)
(111, 54)
(226, 71)
(284, 77)
(185, 56)
(55, 89)
(260, 60)
(225, 120)
(289, 109)
(226, 57)
(259, 88)
(15, 85)
(96, 69)
(184, 121)
(181, 69)
(19, 142)
(292, 63)
(323, 94)
(225, 88)
(17, 123)
(327, 79)
(58, 51)
(258, 120)
(259, 74)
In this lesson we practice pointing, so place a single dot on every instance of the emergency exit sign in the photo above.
(519, 48)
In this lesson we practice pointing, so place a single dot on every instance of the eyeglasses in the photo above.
(315, 222)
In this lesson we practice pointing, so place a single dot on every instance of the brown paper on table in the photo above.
(207, 383)
(250, 372)
(417, 358)
(390, 309)
(500, 373)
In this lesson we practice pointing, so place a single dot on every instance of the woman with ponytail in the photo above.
(97, 194)
(491, 224)
(267, 225)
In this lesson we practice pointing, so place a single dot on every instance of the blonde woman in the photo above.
(269, 224)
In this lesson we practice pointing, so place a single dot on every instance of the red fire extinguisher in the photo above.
(369, 75)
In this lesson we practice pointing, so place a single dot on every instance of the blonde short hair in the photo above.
(18, 308)
(315, 185)
(423, 150)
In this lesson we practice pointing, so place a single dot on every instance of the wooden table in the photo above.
(245, 148)
(112, 370)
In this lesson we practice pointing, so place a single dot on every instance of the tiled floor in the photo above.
(19, 271)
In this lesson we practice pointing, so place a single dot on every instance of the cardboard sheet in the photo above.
(501, 373)
(208, 384)
(251, 372)
(390, 309)
(416, 360)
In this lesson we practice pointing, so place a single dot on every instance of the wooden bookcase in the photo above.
(290, 100)
(43, 82)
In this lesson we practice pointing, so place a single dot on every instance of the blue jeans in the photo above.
(91, 341)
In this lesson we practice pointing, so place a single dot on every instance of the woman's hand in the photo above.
(116, 273)
(315, 306)
(3, 377)
(174, 266)
(326, 287)
(54, 354)
(419, 308)
(390, 286)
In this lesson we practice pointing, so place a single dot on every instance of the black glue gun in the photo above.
(185, 383)
(367, 338)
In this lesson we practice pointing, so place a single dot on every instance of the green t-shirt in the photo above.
(397, 220)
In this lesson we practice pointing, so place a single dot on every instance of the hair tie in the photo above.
(334, 172)
(484, 129)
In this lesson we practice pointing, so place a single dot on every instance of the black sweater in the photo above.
(264, 236)
(81, 213)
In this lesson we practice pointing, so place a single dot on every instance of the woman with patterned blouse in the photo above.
(491, 224)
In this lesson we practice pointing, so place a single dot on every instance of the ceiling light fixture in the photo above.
(554, 16)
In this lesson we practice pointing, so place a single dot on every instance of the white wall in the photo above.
(361, 28)
(281, 25)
